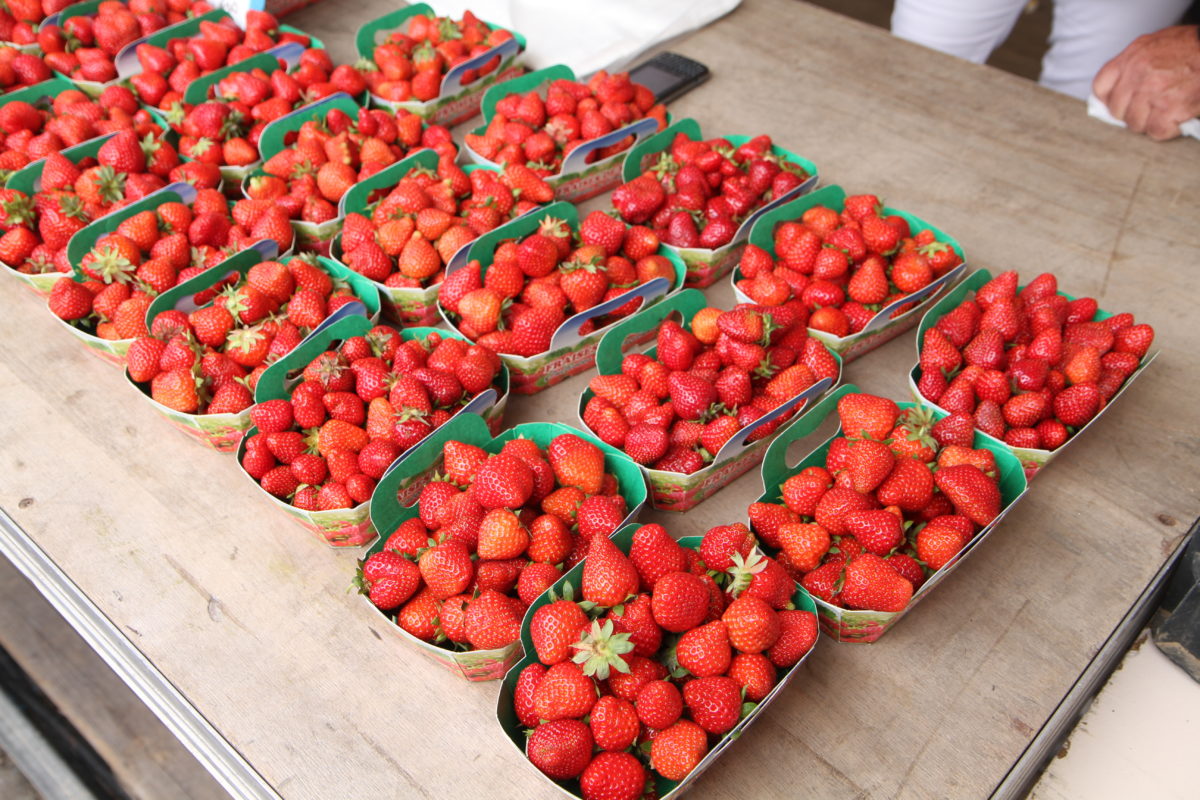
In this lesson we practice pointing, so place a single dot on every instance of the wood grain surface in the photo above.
(251, 618)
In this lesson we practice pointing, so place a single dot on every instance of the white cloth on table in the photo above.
(588, 35)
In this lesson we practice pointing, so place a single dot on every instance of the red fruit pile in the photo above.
(699, 192)
(410, 64)
(308, 178)
(32, 132)
(209, 361)
(167, 71)
(18, 70)
(147, 254)
(226, 130)
(527, 129)
(1030, 366)
(418, 225)
(19, 19)
(73, 195)
(85, 46)
(844, 267)
(659, 661)
(490, 537)
(676, 410)
(534, 284)
(356, 410)
(898, 498)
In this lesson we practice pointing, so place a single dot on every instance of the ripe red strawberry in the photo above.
(676, 751)
(564, 692)
(680, 601)
(614, 723)
(609, 577)
(871, 584)
(867, 416)
(577, 462)
(560, 748)
(973, 494)
(715, 703)
(705, 650)
(613, 776)
(939, 541)
(492, 621)
(502, 481)
(447, 569)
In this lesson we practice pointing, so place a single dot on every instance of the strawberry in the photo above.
(564, 692)
(613, 775)
(973, 494)
(705, 650)
(614, 723)
(679, 601)
(871, 584)
(715, 703)
(560, 748)
(939, 542)
(677, 750)
(609, 577)
(492, 621)
(867, 416)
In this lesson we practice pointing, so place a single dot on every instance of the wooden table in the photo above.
(250, 619)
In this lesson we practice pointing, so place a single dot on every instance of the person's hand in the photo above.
(1153, 85)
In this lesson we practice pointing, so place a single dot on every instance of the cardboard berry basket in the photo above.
(891, 320)
(1031, 458)
(848, 625)
(42, 95)
(401, 304)
(203, 89)
(662, 788)
(456, 102)
(705, 266)
(570, 352)
(677, 491)
(352, 527)
(126, 60)
(395, 500)
(577, 179)
(223, 432)
(113, 350)
(314, 236)
(28, 180)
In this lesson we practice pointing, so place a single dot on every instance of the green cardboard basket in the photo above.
(705, 266)
(309, 235)
(455, 103)
(401, 304)
(882, 327)
(576, 180)
(201, 89)
(352, 527)
(28, 180)
(1032, 459)
(126, 60)
(663, 788)
(847, 625)
(223, 432)
(113, 350)
(677, 491)
(570, 352)
(395, 500)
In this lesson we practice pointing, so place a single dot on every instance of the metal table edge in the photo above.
(214, 752)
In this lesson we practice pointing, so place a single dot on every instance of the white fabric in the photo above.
(588, 35)
(1097, 109)
(1085, 34)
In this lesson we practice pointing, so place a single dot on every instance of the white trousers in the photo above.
(1084, 36)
